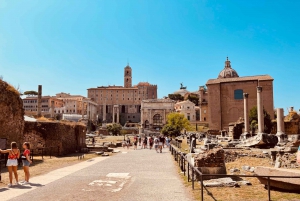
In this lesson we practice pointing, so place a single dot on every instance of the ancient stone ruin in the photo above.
(11, 113)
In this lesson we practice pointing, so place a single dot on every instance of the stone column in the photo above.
(104, 113)
(260, 111)
(118, 114)
(82, 109)
(52, 109)
(113, 113)
(39, 101)
(280, 126)
(246, 114)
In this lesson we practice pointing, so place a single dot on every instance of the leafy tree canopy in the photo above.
(30, 93)
(176, 97)
(114, 129)
(253, 118)
(176, 122)
(193, 98)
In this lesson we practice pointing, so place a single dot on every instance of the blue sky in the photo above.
(69, 46)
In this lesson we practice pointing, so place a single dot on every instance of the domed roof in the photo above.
(228, 72)
(182, 91)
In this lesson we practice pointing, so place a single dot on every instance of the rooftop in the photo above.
(158, 101)
(240, 79)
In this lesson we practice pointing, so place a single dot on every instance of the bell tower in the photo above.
(127, 76)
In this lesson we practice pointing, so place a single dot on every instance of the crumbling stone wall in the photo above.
(286, 160)
(11, 114)
(69, 137)
(211, 162)
(213, 158)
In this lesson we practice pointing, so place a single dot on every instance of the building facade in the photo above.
(225, 96)
(154, 112)
(62, 103)
(121, 104)
(187, 108)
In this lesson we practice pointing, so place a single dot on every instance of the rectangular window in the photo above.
(238, 94)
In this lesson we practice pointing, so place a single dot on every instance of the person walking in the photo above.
(140, 140)
(144, 143)
(26, 162)
(156, 143)
(160, 144)
(135, 141)
(151, 142)
(12, 162)
(128, 142)
(93, 141)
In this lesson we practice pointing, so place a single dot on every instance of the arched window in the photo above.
(238, 94)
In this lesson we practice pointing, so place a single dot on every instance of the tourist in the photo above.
(140, 140)
(26, 161)
(12, 162)
(128, 142)
(151, 142)
(160, 144)
(144, 143)
(156, 143)
(135, 141)
(163, 141)
(93, 141)
(167, 141)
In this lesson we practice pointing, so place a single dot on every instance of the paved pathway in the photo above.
(133, 176)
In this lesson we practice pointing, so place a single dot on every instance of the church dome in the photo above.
(182, 92)
(228, 72)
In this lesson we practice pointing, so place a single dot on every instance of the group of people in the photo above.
(12, 162)
(159, 142)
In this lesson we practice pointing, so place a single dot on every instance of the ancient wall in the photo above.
(69, 137)
(214, 106)
(11, 114)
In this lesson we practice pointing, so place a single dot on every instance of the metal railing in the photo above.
(187, 168)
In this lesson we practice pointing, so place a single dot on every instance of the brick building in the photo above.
(121, 104)
(225, 96)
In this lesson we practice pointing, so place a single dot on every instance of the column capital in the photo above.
(245, 95)
(259, 89)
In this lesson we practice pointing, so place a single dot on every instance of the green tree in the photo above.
(30, 93)
(175, 124)
(253, 119)
(114, 129)
(193, 98)
(176, 97)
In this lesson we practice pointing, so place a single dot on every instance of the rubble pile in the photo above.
(286, 160)
(231, 156)
(212, 158)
